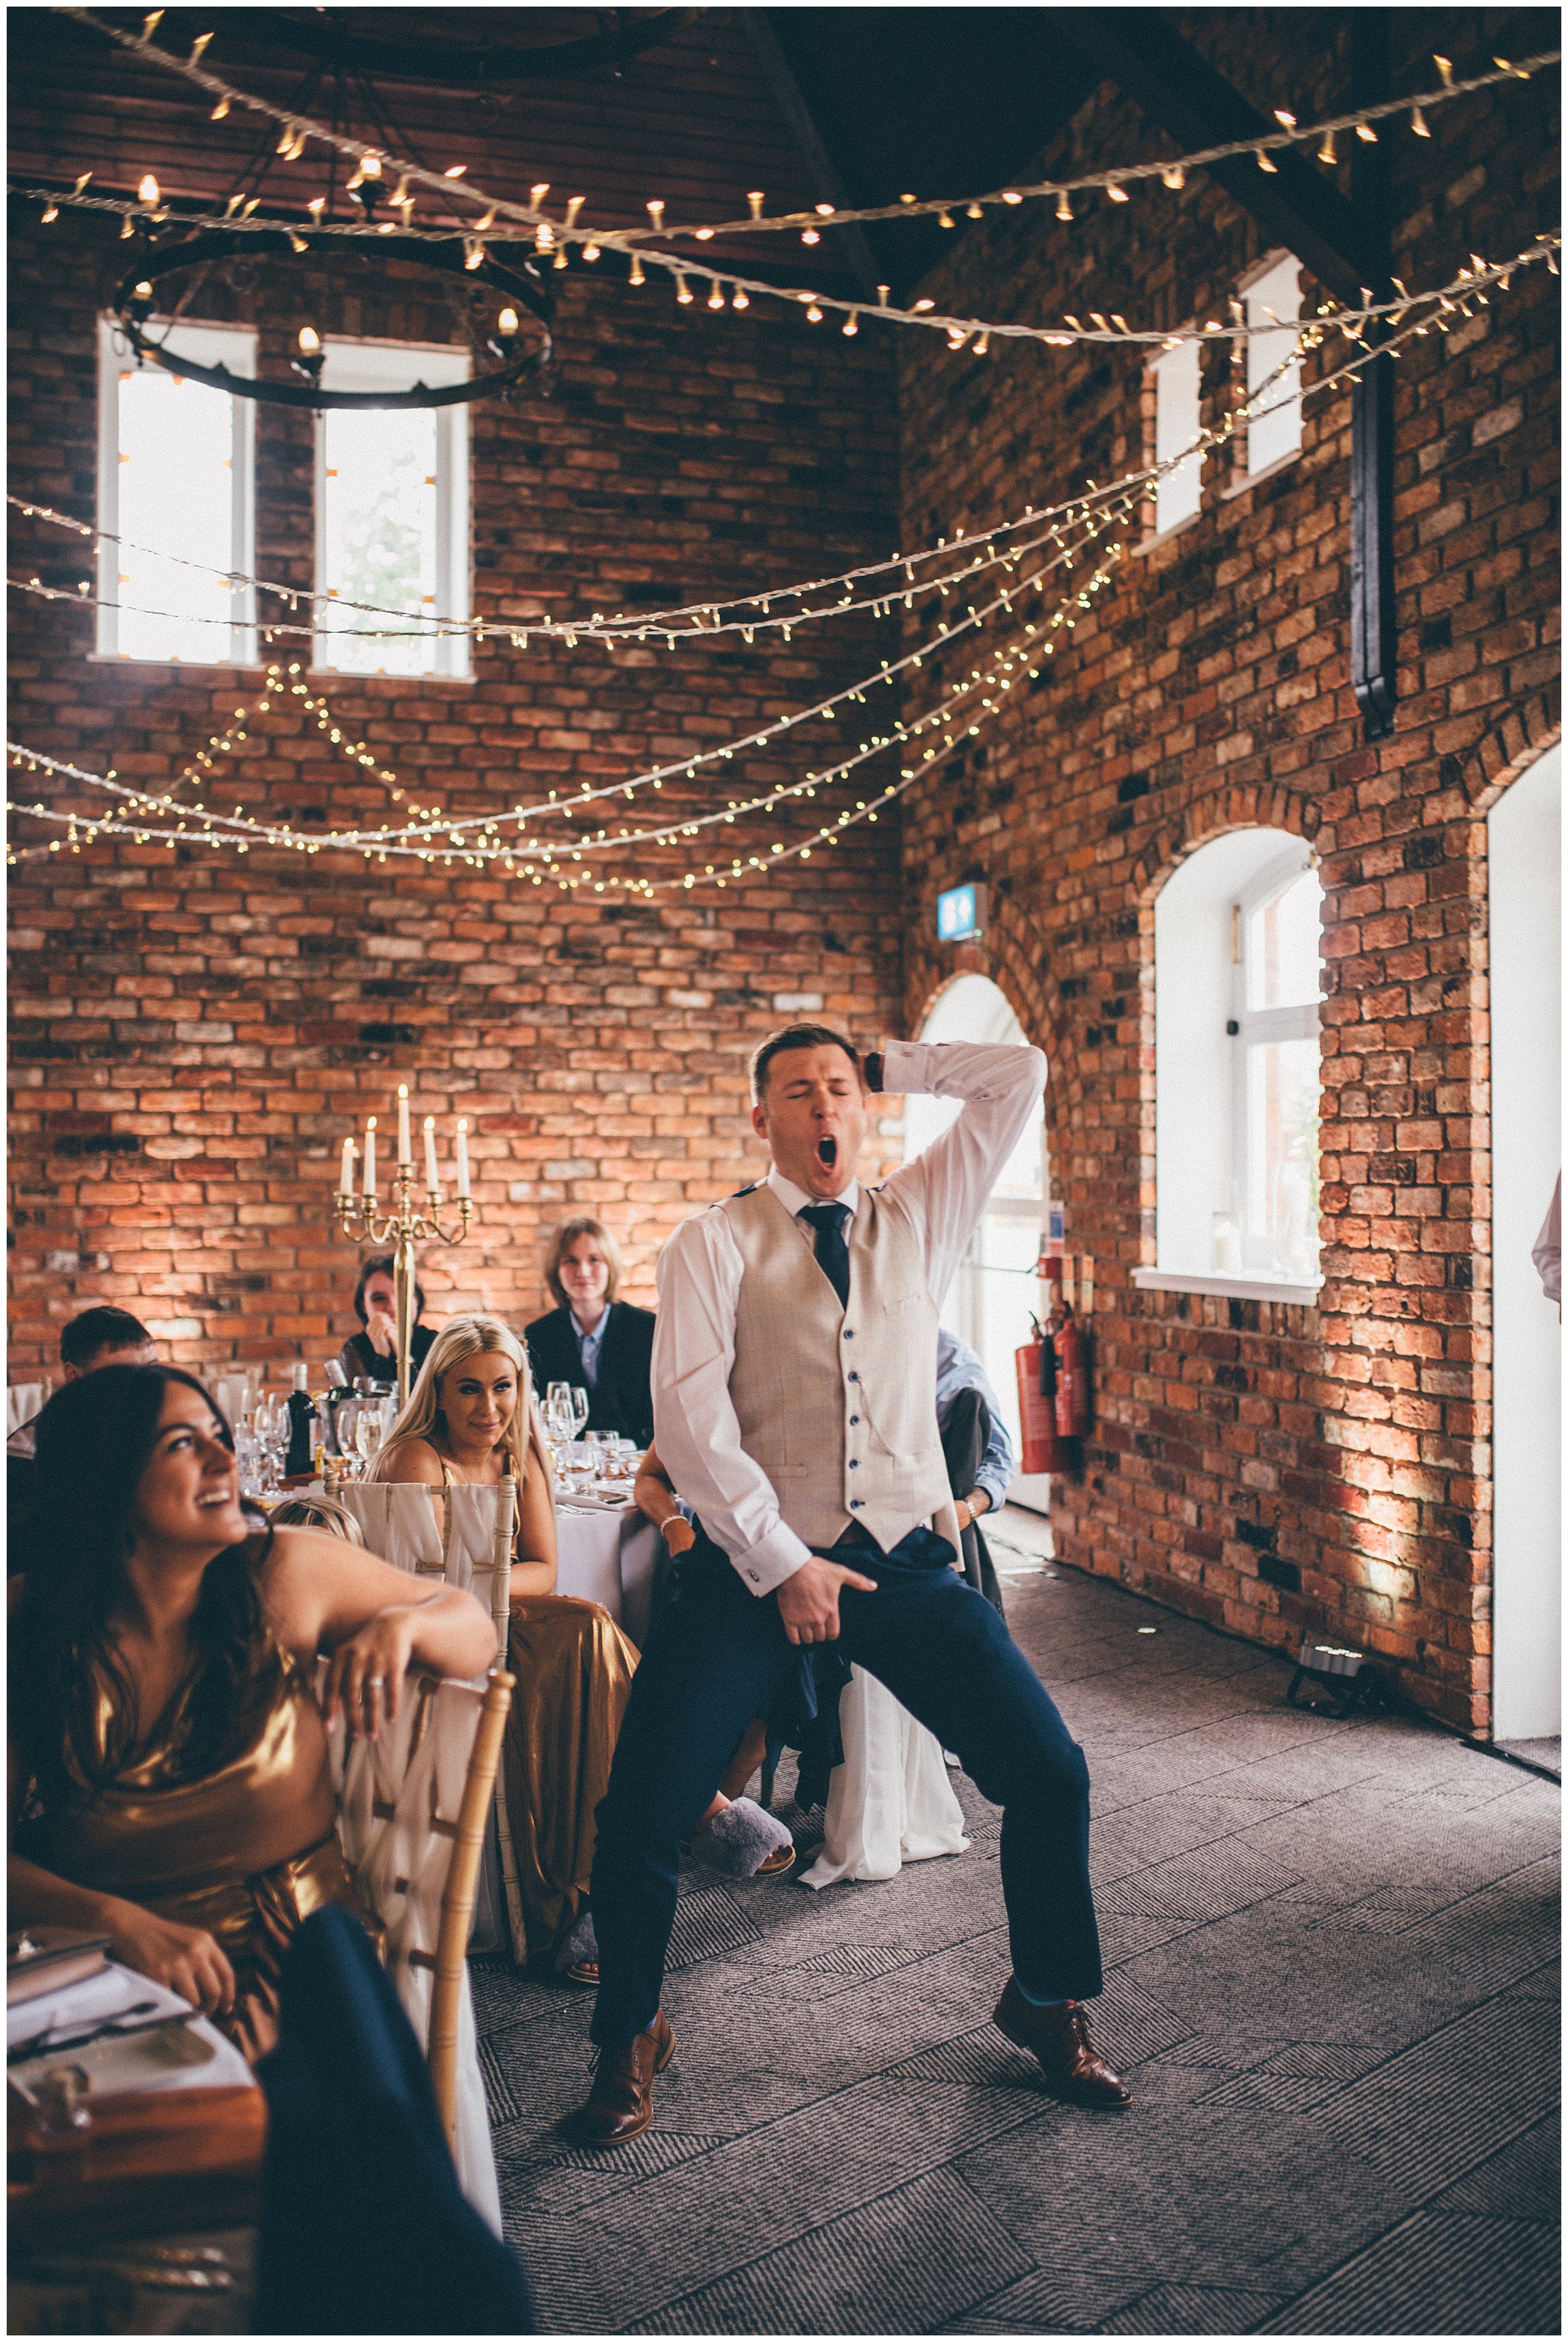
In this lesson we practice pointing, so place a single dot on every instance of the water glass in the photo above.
(368, 1431)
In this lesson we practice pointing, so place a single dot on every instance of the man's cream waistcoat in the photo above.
(839, 1405)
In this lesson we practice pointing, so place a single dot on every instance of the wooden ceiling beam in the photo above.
(1166, 78)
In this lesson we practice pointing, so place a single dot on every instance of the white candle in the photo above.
(345, 1186)
(462, 1158)
(432, 1176)
(370, 1156)
(404, 1141)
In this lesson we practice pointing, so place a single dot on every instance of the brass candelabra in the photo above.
(406, 1224)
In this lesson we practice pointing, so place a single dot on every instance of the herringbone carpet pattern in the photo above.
(1332, 1979)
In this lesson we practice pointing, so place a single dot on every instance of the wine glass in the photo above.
(272, 1429)
(368, 1431)
(579, 1409)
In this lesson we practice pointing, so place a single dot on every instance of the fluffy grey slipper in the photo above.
(582, 1944)
(739, 1840)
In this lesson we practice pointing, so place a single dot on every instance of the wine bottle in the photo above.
(302, 1425)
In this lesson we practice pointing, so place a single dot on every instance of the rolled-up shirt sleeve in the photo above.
(947, 1187)
(695, 1428)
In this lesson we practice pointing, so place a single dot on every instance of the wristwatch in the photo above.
(871, 1064)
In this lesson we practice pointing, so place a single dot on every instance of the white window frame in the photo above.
(1302, 1022)
(204, 345)
(1199, 1094)
(1272, 293)
(355, 364)
(1178, 420)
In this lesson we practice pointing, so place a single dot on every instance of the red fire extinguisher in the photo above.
(1072, 1409)
(1043, 1451)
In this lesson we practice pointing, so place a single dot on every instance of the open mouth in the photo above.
(827, 1153)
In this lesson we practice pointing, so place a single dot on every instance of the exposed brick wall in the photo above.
(1209, 688)
(192, 1035)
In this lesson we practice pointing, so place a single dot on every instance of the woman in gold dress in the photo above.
(162, 1655)
(470, 1417)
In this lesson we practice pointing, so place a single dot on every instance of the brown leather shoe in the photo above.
(620, 2105)
(1059, 2038)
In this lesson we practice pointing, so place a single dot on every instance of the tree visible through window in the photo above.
(392, 517)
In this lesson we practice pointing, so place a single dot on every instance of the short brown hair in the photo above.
(796, 1037)
(566, 1236)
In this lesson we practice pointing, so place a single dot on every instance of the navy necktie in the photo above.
(832, 1252)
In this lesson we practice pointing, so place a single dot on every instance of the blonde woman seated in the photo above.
(163, 1646)
(471, 1418)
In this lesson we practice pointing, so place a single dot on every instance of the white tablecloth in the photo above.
(23, 1402)
(610, 1558)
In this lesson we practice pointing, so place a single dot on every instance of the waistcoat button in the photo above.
(849, 1333)
(855, 1463)
(855, 1504)
(854, 1418)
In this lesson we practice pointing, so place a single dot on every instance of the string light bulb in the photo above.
(1444, 66)
(148, 192)
(1174, 175)
(740, 298)
(506, 323)
(683, 291)
(1418, 123)
(810, 236)
(716, 295)
(636, 277)
(850, 325)
(220, 112)
(1063, 205)
(756, 200)
(1266, 163)
(1285, 119)
(1366, 134)
(656, 213)
(589, 252)
(1325, 153)
(309, 341)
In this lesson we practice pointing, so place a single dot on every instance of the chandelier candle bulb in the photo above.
(432, 1176)
(405, 1142)
(345, 1185)
(370, 1158)
(462, 1186)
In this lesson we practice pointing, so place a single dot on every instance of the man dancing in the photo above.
(794, 1371)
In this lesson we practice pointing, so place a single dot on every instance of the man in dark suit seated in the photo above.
(603, 1346)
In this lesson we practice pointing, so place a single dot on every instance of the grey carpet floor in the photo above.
(1332, 1979)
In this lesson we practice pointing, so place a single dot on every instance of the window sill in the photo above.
(1235, 1287)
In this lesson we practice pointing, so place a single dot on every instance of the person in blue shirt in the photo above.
(979, 1453)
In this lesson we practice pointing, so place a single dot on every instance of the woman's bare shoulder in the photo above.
(411, 1459)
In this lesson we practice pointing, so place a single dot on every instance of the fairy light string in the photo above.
(302, 130)
(885, 583)
(633, 245)
(1118, 500)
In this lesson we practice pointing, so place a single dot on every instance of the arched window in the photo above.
(1238, 979)
(994, 1291)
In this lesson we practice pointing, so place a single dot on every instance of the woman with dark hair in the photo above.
(603, 1346)
(161, 1653)
(374, 1350)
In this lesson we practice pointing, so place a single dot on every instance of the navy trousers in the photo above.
(716, 1658)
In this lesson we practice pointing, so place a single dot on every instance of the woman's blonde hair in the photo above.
(461, 1338)
(566, 1236)
(318, 1512)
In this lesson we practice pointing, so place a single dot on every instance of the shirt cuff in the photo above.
(995, 1484)
(764, 1566)
(901, 1067)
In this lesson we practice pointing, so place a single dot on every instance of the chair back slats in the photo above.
(457, 1899)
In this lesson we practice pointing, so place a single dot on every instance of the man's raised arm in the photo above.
(945, 1189)
(694, 1427)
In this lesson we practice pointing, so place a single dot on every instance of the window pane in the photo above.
(1274, 429)
(171, 430)
(1281, 1182)
(1179, 492)
(379, 532)
(1284, 947)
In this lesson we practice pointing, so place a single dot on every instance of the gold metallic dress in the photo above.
(209, 1852)
(573, 1669)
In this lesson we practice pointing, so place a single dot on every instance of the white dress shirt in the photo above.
(942, 1192)
(589, 1344)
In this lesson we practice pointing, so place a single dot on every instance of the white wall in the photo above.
(1195, 1061)
(1525, 846)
